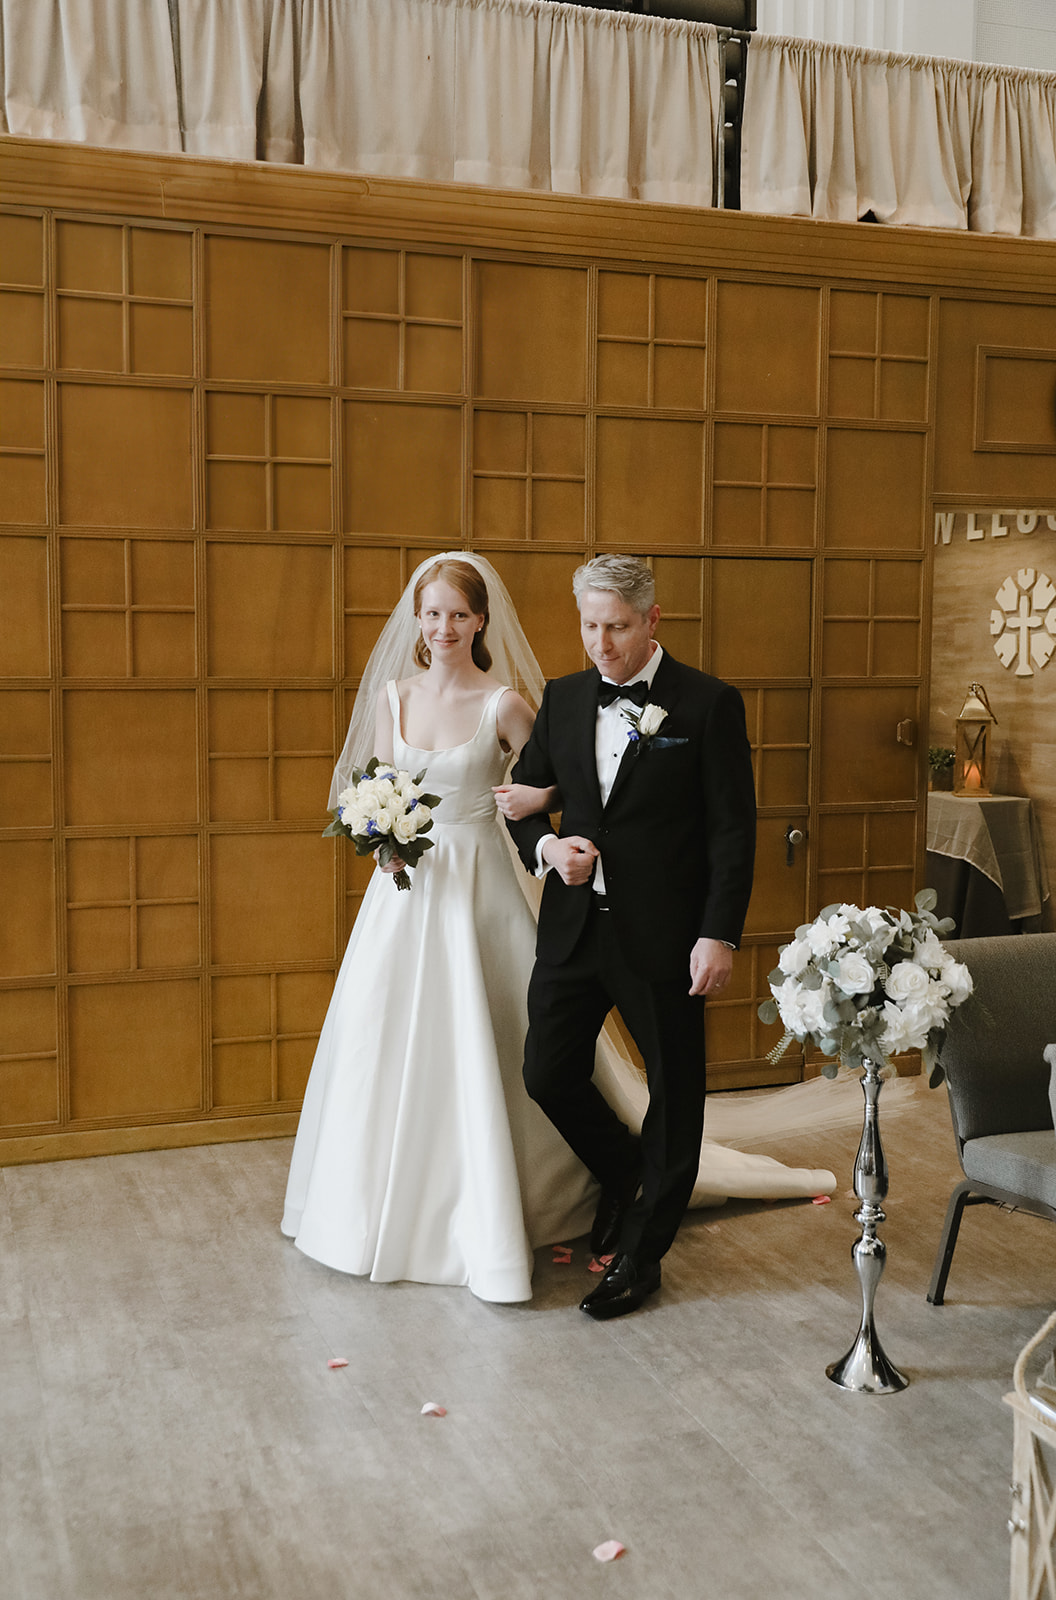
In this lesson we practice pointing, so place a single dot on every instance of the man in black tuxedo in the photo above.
(645, 897)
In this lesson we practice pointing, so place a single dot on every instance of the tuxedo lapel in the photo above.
(662, 692)
(584, 733)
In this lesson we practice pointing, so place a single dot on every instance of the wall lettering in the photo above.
(976, 525)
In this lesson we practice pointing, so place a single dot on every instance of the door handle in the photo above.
(793, 836)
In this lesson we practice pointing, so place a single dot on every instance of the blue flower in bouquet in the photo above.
(385, 809)
(868, 983)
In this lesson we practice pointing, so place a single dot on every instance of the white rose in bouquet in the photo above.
(795, 957)
(853, 974)
(907, 981)
(956, 980)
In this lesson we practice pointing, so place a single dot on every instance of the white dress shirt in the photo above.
(610, 742)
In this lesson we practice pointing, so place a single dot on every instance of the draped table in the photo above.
(985, 861)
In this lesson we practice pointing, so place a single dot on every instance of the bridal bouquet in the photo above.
(869, 983)
(386, 810)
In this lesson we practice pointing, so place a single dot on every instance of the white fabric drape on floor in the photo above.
(839, 134)
(518, 94)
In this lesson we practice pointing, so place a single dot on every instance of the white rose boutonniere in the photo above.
(645, 724)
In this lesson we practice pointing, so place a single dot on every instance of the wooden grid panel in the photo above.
(531, 332)
(124, 299)
(650, 482)
(132, 903)
(874, 488)
(878, 356)
(871, 618)
(269, 610)
(127, 608)
(270, 754)
(402, 321)
(268, 462)
(265, 1027)
(29, 1057)
(403, 469)
(25, 759)
(529, 476)
(679, 584)
(125, 455)
(778, 721)
(130, 757)
(765, 485)
(27, 935)
(25, 626)
(135, 1050)
(22, 451)
(651, 341)
(22, 301)
(268, 310)
(759, 622)
(867, 857)
(752, 318)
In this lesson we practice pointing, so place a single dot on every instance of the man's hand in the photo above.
(572, 858)
(710, 966)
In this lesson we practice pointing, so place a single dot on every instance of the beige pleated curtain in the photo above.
(516, 94)
(842, 134)
(523, 94)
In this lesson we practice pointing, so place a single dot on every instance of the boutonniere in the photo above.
(645, 724)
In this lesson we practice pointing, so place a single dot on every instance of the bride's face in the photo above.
(448, 625)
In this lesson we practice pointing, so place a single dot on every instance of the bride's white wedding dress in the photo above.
(418, 1153)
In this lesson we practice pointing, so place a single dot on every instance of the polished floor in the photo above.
(171, 1428)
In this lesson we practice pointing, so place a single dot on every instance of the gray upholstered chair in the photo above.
(998, 1080)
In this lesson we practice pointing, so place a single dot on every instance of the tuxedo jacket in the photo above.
(677, 835)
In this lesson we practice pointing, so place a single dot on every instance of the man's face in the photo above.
(617, 638)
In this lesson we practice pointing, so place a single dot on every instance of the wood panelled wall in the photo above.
(239, 405)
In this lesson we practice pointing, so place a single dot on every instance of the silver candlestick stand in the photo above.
(865, 1368)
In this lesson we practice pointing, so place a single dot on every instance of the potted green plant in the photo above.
(940, 767)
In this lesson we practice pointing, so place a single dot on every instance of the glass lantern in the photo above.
(972, 748)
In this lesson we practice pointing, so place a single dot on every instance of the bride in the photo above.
(418, 1153)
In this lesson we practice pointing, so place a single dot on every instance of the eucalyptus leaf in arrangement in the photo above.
(868, 984)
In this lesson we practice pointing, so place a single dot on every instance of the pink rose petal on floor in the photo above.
(609, 1550)
(607, 1261)
(337, 1361)
(562, 1255)
(821, 1200)
(596, 1265)
(431, 1409)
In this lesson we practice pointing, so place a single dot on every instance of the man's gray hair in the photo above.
(627, 576)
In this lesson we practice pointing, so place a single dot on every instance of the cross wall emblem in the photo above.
(1023, 623)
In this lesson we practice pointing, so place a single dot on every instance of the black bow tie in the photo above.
(608, 692)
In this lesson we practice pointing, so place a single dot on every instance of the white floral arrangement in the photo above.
(386, 810)
(868, 983)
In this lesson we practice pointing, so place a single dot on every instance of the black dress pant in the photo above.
(567, 1006)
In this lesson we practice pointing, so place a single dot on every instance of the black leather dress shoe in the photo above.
(626, 1286)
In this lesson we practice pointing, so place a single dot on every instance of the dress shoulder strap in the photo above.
(394, 700)
(490, 717)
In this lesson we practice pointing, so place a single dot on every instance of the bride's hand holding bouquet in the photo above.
(386, 810)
